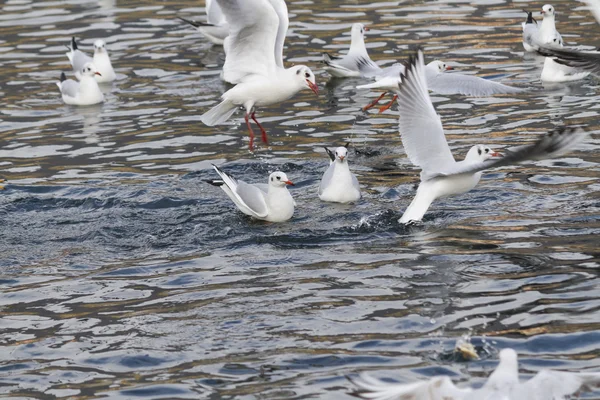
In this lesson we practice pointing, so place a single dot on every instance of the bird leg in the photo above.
(371, 104)
(262, 130)
(251, 145)
(388, 105)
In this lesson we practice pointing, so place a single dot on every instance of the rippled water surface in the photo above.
(125, 275)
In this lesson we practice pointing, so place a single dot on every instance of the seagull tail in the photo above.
(63, 78)
(219, 114)
(419, 206)
(73, 44)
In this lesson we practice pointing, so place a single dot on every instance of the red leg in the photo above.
(251, 145)
(262, 130)
(371, 104)
(388, 105)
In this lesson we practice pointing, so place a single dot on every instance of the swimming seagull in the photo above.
(530, 29)
(271, 202)
(357, 61)
(503, 384)
(250, 62)
(83, 93)
(101, 60)
(440, 82)
(338, 184)
(216, 28)
(426, 146)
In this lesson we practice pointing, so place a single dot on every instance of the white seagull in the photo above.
(216, 28)
(530, 30)
(357, 61)
(502, 384)
(101, 60)
(268, 202)
(426, 146)
(338, 184)
(250, 62)
(83, 93)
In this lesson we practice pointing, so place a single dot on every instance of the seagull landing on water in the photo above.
(101, 60)
(251, 47)
(216, 28)
(425, 144)
(271, 202)
(338, 184)
(502, 384)
(83, 93)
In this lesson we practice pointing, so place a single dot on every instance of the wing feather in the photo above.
(438, 388)
(467, 85)
(588, 61)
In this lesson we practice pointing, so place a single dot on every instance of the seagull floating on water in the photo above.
(269, 202)
(216, 28)
(83, 93)
(255, 31)
(356, 62)
(101, 61)
(338, 184)
(502, 384)
(425, 144)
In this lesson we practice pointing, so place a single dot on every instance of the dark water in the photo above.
(124, 275)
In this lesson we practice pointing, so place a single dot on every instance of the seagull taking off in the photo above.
(255, 36)
(101, 60)
(425, 144)
(216, 28)
(268, 202)
(502, 384)
(338, 184)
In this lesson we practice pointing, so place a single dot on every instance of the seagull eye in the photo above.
(307, 75)
(487, 150)
(278, 178)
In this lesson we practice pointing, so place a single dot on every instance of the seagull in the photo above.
(357, 62)
(83, 93)
(268, 202)
(425, 145)
(250, 62)
(439, 82)
(502, 384)
(583, 60)
(216, 28)
(338, 184)
(101, 60)
(530, 29)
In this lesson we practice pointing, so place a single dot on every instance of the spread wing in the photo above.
(433, 389)
(420, 127)
(282, 13)
(557, 384)
(214, 14)
(594, 6)
(552, 144)
(588, 61)
(467, 85)
(253, 27)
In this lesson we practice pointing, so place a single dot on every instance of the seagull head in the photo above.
(306, 78)
(481, 153)
(89, 69)
(99, 46)
(341, 154)
(548, 11)
(440, 66)
(279, 179)
(358, 31)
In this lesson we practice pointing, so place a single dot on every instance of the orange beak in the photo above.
(342, 158)
(289, 183)
(97, 73)
(449, 68)
(313, 87)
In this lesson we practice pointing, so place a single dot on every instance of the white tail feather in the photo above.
(219, 114)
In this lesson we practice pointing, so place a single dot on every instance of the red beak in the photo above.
(542, 12)
(449, 68)
(366, 29)
(97, 73)
(313, 87)
(342, 158)
(496, 154)
(289, 183)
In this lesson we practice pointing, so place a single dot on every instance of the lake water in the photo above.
(125, 275)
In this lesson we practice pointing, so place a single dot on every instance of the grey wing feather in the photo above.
(588, 61)
(558, 385)
(69, 88)
(355, 182)
(552, 144)
(79, 60)
(253, 197)
(326, 178)
(432, 389)
(467, 85)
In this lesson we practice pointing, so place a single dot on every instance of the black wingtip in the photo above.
(63, 77)
(530, 19)
(73, 44)
(410, 65)
(194, 23)
(215, 182)
(347, 145)
(329, 153)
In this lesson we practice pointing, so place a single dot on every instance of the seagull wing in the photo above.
(327, 178)
(253, 27)
(79, 59)
(69, 88)
(214, 14)
(420, 127)
(549, 145)
(468, 85)
(282, 13)
(588, 61)
(248, 198)
(556, 385)
(594, 6)
(439, 388)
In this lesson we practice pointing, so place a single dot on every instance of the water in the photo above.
(124, 275)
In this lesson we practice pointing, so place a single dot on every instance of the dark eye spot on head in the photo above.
(479, 150)
(298, 72)
(487, 150)
(271, 179)
(307, 75)
(555, 39)
(278, 178)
